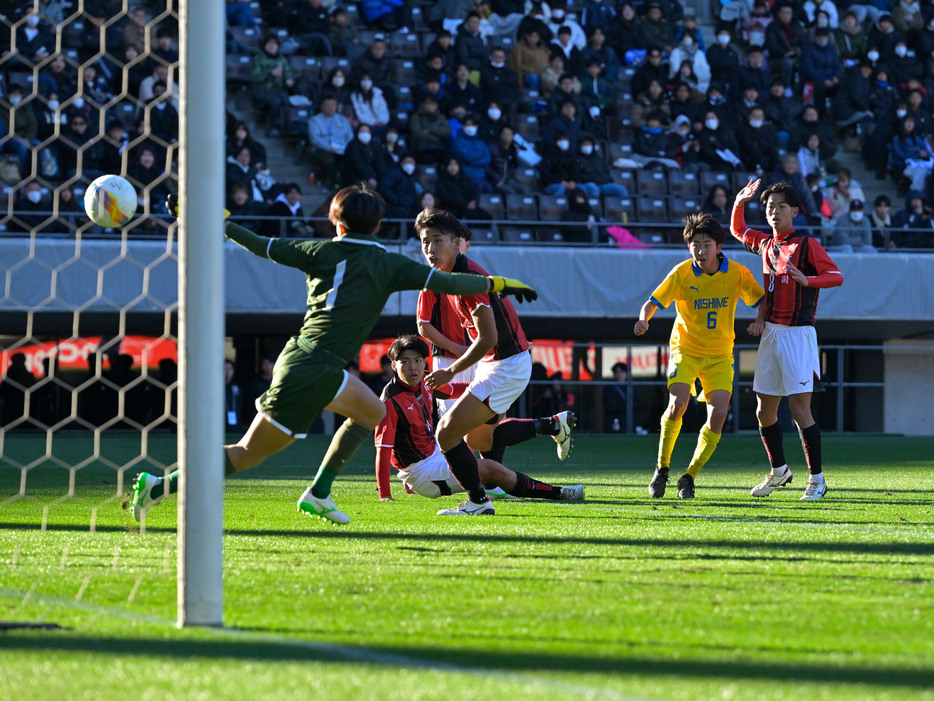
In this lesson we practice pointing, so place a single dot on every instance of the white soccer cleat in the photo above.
(575, 493)
(771, 483)
(469, 508)
(142, 493)
(565, 421)
(815, 490)
(323, 508)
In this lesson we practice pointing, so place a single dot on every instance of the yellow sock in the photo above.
(706, 443)
(666, 442)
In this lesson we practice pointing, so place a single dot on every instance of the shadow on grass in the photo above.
(418, 539)
(471, 660)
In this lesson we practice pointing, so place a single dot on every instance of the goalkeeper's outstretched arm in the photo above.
(469, 284)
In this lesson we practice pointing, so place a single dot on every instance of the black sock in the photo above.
(772, 439)
(528, 487)
(513, 432)
(546, 426)
(810, 441)
(463, 466)
(495, 454)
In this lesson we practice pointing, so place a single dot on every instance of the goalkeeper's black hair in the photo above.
(358, 208)
(702, 224)
(444, 221)
(405, 343)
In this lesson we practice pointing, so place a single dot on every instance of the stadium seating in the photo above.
(522, 207)
(492, 204)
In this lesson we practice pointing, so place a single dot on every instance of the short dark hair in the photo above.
(784, 189)
(406, 343)
(620, 366)
(444, 221)
(358, 208)
(702, 223)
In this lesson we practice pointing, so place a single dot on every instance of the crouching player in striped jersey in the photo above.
(705, 289)
(795, 267)
(405, 437)
(500, 350)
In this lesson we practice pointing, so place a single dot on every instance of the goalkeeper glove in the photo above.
(509, 286)
(172, 203)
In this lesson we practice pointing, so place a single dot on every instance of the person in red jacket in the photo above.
(795, 267)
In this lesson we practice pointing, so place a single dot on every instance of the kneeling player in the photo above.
(405, 437)
(705, 289)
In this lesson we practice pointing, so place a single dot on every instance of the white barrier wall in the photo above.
(909, 401)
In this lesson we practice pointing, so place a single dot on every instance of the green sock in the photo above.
(666, 441)
(706, 443)
(171, 480)
(344, 444)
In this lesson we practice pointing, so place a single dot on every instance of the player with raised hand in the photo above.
(795, 267)
(500, 350)
(349, 279)
(405, 439)
(705, 289)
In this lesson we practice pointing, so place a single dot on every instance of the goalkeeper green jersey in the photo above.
(349, 280)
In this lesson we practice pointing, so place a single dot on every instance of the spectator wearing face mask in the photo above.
(559, 170)
(491, 123)
(369, 104)
(758, 148)
(393, 148)
(715, 143)
(472, 153)
(821, 67)
(362, 159)
(594, 177)
(28, 209)
(812, 8)
(883, 36)
(850, 232)
(688, 50)
(904, 68)
(498, 82)
(400, 189)
(723, 58)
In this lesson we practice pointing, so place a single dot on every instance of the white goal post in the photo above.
(201, 313)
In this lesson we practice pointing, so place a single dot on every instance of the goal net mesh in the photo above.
(88, 339)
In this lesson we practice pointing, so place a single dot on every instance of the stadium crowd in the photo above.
(591, 113)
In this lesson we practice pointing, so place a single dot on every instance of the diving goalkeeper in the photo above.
(349, 280)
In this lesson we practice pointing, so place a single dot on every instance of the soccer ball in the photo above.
(110, 201)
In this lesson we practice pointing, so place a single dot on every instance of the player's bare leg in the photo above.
(364, 411)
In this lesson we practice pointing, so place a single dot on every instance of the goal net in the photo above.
(90, 382)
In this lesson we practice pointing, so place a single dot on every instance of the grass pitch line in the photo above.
(362, 655)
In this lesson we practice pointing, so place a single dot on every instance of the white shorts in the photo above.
(442, 362)
(430, 477)
(788, 362)
(498, 383)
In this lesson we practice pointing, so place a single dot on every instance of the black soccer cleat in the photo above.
(658, 483)
(686, 487)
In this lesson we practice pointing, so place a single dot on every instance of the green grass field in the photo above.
(622, 597)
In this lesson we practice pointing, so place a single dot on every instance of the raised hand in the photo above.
(748, 192)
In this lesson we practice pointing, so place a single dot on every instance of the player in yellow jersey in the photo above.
(705, 290)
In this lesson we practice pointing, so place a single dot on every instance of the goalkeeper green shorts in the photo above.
(304, 380)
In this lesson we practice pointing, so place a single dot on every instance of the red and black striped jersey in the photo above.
(433, 309)
(511, 338)
(787, 302)
(406, 434)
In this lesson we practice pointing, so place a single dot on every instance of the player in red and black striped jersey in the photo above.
(500, 350)
(405, 438)
(795, 267)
